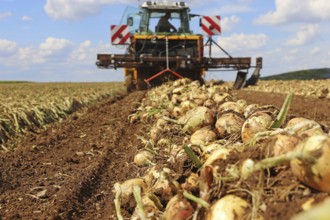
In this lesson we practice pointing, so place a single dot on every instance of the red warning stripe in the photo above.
(124, 39)
(207, 30)
(120, 34)
(211, 25)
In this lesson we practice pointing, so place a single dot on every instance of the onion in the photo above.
(187, 105)
(125, 190)
(165, 187)
(199, 102)
(257, 122)
(230, 106)
(178, 90)
(320, 211)
(150, 207)
(203, 136)
(315, 174)
(220, 154)
(181, 82)
(196, 118)
(155, 133)
(250, 109)
(191, 183)
(143, 157)
(313, 127)
(209, 103)
(177, 111)
(284, 143)
(228, 124)
(178, 208)
(220, 98)
(230, 207)
(208, 149)
(242, 103)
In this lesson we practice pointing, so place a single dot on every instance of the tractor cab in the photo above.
(145, 20)
(156, 54)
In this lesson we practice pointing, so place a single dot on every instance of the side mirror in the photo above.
(130, 21)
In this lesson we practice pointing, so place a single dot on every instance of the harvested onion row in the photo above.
(191, 129)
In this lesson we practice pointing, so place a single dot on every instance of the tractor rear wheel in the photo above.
(129, 83)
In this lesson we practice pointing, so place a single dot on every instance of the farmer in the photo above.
(164, 25)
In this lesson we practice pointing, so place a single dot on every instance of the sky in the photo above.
(58, 40)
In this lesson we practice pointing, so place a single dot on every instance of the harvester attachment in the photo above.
(256, 74)
(241, 81)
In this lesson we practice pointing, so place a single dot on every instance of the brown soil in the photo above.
(68, 170)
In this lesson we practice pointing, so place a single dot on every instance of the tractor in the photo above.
(156, 53)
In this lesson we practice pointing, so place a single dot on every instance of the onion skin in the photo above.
(178, 208)
(230, 106)
(143, 157)
(306, 132)
(197, 118)
(126, 189)
(315, 174)
(230, 207)
(257, 122)
(228, 124)
(220, 154)
(250, 109)
(284, 143)
(203, 136)
(191, 183)
(220, 98)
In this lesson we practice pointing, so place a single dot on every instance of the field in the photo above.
(28, 106)
(68, 169)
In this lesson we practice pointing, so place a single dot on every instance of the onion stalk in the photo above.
(139, 206)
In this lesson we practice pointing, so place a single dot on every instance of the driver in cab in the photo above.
(164, 25)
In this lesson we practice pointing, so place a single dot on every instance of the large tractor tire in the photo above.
(141, 84)
(129, 83)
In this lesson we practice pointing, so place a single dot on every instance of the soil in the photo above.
(68, 170)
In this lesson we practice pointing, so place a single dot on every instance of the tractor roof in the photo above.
(164, 5)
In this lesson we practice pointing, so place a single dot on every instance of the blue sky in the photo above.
(57, 40)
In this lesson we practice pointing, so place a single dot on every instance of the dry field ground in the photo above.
(68, 169)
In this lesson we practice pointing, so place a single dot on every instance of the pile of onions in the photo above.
(193, 129)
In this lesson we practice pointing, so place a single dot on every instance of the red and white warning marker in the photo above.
(211, 25)
(120, 34)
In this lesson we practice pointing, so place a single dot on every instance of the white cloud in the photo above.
(305, 35)
(315, 50)
(54, 47)
(51, 50)
(5, 15)
(243, 42)
(228, 23)
(26, 18)
(296, 11)
(84, 52)
(7, 48)
(76, 9)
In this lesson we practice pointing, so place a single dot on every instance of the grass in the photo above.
(13, 82)
(323, 73)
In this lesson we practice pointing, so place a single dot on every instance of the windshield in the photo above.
(151, 18)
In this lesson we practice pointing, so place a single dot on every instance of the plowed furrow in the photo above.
(65, 172)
